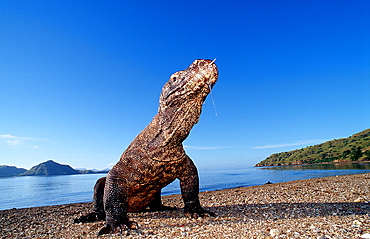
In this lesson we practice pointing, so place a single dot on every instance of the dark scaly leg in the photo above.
(115, 205)
(98, 197)
(98, 211)
(157, 205)
(189, 183)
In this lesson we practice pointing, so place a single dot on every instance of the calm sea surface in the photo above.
(34, 191)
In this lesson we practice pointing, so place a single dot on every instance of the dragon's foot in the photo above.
(91, 217)
(118, 229)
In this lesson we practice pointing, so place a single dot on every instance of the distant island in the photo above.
(352, 149)
(46, 168)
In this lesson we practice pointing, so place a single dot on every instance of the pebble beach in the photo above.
(332, 207)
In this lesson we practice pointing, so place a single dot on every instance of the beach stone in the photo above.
(314, 229)
(360, 199)
(356, 223)
(274, 232)
(366, 235)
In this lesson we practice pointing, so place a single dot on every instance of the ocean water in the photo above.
(34, 191)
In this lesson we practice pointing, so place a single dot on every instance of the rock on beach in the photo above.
(332, 207)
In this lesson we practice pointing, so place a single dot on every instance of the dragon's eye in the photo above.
(174, 78)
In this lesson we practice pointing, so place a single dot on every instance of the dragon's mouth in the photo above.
(206, 74)
(198, 78)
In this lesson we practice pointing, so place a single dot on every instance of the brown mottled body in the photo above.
(156, 157)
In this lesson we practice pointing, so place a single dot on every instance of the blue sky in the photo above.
(79, 80)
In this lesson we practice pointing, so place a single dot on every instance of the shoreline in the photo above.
(313, 164)
(330, 207)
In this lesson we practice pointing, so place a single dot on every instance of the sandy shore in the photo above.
(333, 207)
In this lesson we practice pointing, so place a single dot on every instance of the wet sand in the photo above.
(332, 207)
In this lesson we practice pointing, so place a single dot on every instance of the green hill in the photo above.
(50, 168)
(353, 148)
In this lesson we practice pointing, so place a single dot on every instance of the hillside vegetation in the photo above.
(354, 148)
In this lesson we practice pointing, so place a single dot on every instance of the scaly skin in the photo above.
(156, 157)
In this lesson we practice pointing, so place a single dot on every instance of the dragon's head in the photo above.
(183, 95)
